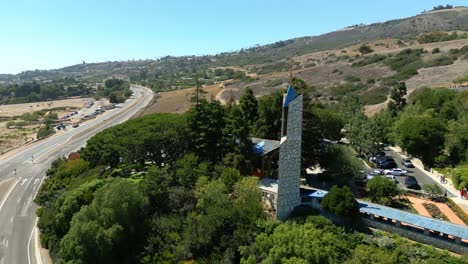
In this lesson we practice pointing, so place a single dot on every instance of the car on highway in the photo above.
(395, 172)
(76, 125)
(407, 163)
(411, 182)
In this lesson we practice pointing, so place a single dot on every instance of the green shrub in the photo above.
(340, 201)
(406, 59)
(440, 61)
(272, 83)
(433, 189)
(364, 49)
(382, 189)
(350, 78)
(44, 132)
(461, 79)
(436, 50)
(439, 36)
(374, 96)
(369, 60)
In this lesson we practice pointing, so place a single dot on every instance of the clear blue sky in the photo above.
(47, 34)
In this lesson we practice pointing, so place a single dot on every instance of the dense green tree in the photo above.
(421, 136)
(189, 169)
(156, 186)
(229, 177)
(164, 238)
(381, 189)
(159, 138)
(433, 98)
(236, 136)
(397, 96)
(54, 221)
(341, 162)
(340, 201)
(456, 141)
(269, 120)
(315, 241)
(364, 49)
(206, 122)
(249, 106)
(222, 220)
(371, 254)
(107, 230)
(330, 122)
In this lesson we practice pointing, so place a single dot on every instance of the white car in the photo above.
(395, 172)
(391, 177)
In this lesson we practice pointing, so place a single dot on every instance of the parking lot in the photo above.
(421, 178)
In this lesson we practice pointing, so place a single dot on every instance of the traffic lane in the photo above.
(420, 176)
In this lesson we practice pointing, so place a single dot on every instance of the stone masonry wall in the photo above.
(289, 176)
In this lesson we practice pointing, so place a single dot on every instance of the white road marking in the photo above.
(29, 243)
(5, 181)
(11, 219)
(6, 244)
(24, 180)
(36, 180)
(8, 194)
(38, 188)
(37, 249)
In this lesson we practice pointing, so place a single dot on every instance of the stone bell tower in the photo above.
(289, 176)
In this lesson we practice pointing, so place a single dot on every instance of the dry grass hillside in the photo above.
(325, 70)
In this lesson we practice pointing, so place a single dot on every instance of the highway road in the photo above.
(18, 232)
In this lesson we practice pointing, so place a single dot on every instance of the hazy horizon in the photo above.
(54, 34)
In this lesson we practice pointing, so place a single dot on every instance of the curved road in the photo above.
(18, 232)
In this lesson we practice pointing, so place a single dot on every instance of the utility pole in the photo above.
(290, 71)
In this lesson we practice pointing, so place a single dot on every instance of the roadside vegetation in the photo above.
(36, 92)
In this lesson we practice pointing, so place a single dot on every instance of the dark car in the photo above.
(390, 164)
(380, 160)
(411, 182)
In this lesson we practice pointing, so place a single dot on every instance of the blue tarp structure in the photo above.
(258, 148)
(291, 94)
(263, 146)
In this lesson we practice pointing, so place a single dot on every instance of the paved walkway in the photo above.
(418, 205)
(455, 194)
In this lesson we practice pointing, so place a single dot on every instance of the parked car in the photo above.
(391, 177)
(377, 155)
(76, 125)
(371, 175)
(387, 165)
(395, 172)
(411, 182)
(385, 159)
(407, 163)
